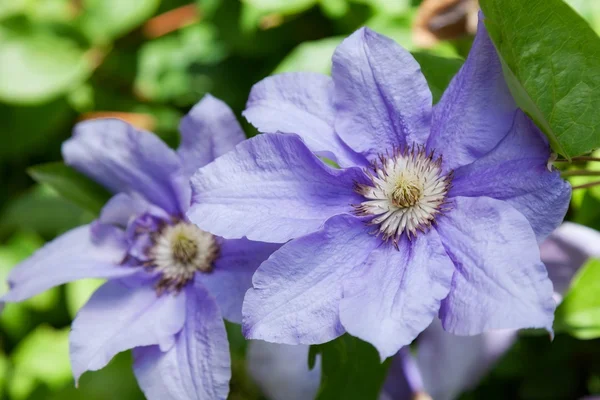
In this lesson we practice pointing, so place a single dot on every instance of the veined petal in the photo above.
(281, 370)
(270, 188)
(476, 110)
(300, 103)
(125, 159)
(500, 281)
(208, 131)
(296, 292)
(566, 250)
(396, 294)
(516, 171)
(122, 315)
(198, 366)
(79, 253)
(381, 96)
(232, 274)
(451, 364)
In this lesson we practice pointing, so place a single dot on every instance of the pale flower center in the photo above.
(407, 191)
(181, 250)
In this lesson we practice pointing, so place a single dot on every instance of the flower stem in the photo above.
(581, 172)
(587, 185)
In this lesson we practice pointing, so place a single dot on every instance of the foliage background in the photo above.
(149, 61)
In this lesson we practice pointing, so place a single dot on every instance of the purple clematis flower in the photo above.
(445, 365)
(170, 283)
(435, 210)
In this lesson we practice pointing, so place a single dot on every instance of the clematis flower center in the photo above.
(407, 192)
(179, 251)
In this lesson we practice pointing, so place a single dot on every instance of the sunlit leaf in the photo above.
(579, 312)
(38, 65)
(42, 357)
(103, 20)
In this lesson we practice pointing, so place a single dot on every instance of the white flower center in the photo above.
(179, 252)
(407, 191)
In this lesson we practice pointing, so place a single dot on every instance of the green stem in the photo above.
(587, 185)
(581, 172)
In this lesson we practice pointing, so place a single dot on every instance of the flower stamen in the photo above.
(407, 192)
(179, 251)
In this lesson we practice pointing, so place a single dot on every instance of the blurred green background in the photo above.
(148, 62)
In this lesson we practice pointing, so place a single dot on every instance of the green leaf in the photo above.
(281, 6)
(42, 357)
(579, 312)
(38, 65)
(104, 20)
(590, 10)
(550, 60)
(43, 211)
(29, 128)
(351, 369)
(166, 63)
(79, 292)
(71, 185)
(438, 71)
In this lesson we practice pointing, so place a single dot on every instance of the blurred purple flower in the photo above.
(445, 364)
(434, 211)
(170, 284)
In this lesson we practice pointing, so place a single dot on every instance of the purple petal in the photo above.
(232, 274)
(403, 381)
(516, 171)
(476, 110)
(122, 315)
(208, 131)
(125, 159)
(566, 250)
(296, 293)
(198, 366)
(381, 96)
(451, 364)
(397, 293)
(75, 255)
(121, 208)
(270, 188)
(281, 371)
(300, 103)
(500, 281)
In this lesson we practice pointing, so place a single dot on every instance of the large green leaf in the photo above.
(38, 65)
(71, 185)
(351, 369)
(579, 313)
(550, 59)
(104, 20)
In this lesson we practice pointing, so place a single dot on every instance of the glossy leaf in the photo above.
(550, 59)
(351, 369)
(71, 185)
